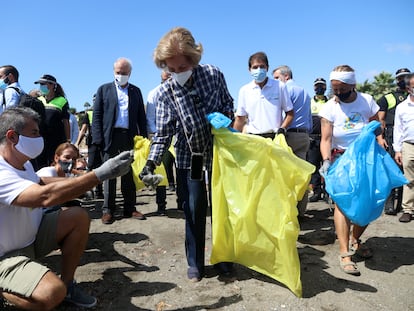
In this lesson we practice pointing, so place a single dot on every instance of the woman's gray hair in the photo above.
(16, 119)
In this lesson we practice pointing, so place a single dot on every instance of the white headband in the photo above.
(347, 77)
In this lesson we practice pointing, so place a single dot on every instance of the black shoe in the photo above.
(316, 197)
(390, 211)
(389, 208)
(224, 269)
(161, 212)
(405, 217)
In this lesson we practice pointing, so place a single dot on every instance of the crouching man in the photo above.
(26, 233)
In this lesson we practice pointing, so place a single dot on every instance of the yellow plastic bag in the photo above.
(141, 152)
(256, 183)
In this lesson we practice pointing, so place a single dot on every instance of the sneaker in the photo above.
(79, 298)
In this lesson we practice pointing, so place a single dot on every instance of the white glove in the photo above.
(116, 166)
(325, 167)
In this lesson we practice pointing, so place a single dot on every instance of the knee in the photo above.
(80, 217)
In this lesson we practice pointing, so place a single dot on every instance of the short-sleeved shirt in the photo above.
(348, 118)
(18, 225)
(398, 96)
(404, 124)
(263, 106)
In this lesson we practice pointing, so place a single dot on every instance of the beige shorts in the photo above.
(19, 273)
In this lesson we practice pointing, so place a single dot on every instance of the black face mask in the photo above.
(319, 91)
(344, 96)
(401, 85)
(66, 166)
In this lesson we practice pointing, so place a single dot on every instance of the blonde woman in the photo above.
(342, 120)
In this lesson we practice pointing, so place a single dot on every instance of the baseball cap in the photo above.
(46, 79)
(319, 81)
(402, 72)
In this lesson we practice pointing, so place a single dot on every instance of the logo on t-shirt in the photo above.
(352, 120)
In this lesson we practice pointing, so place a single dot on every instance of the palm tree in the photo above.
(383, 84)
(86, 105)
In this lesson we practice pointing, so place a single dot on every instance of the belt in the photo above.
(315, 135)
(120, 130)
(267, 135)
(297, 130)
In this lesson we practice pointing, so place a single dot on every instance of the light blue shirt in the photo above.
(122, 120)
(74, 128)
(301, 106)
(150, 110)
(11, 96)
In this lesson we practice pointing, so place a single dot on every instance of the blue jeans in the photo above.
(194, 196)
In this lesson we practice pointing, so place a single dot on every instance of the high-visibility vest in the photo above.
(391, 100)
(90, 115)
(56, 103)
(316, 104)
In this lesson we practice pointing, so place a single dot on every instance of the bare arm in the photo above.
(381, 118)
(81, 135)
(288, 119)
(380, 139)
(239, 123)
(398, 158)
(55, 192)
(326, 139)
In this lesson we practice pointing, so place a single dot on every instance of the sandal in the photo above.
(345, 264)
(361, 250)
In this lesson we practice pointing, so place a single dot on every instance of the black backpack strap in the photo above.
(15, 88)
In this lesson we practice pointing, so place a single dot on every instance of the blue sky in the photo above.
(78, 41)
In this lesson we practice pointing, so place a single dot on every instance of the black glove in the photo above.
(149, 168)
(281, 130)
(148, 177)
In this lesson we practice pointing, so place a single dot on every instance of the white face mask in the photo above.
(30, 146)
(121, 79)
(182, 77)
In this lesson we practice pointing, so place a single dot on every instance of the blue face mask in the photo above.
(259, 74)
(3, 84)
(43, 89)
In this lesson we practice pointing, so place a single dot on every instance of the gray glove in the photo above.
(116, 166)
(325, 167)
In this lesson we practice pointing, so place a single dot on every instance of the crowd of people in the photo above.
(40, 157)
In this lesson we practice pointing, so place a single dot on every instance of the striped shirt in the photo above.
(185, 108)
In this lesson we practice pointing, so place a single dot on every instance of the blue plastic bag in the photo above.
(360, 181)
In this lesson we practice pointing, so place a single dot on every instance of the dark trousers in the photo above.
(168, 161)
(396, 193)
(161, 197)
(194, 195)
(94, 161)
(121, 141)
(314, 157)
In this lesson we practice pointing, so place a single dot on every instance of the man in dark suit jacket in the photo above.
(118, 115)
